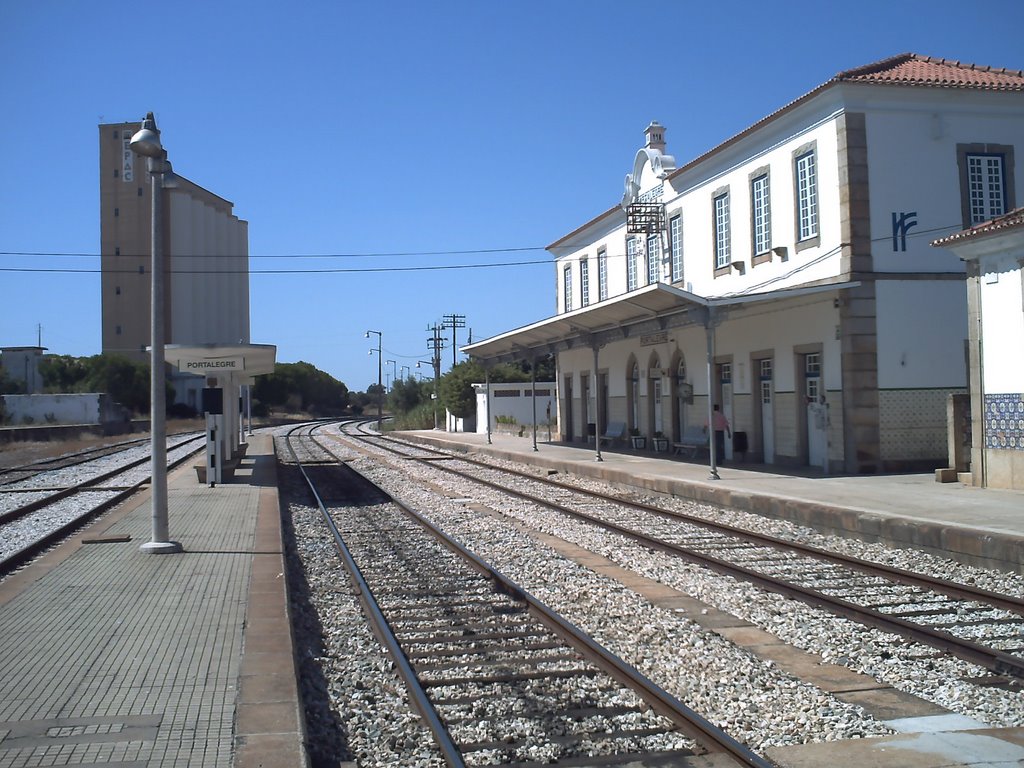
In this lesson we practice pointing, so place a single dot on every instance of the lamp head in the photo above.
(146, 141)
(367, 334)
(170, 180)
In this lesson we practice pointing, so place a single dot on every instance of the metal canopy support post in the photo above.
(487, 395)
(709, 329)
(597, 405)
(533, 392)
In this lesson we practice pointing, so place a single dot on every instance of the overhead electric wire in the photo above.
(289, 255)
(339, 270)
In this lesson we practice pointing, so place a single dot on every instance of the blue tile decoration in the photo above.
(1004, 422)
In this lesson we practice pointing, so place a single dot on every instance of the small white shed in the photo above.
(513, 406)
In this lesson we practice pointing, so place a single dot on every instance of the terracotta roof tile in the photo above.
(914, 69)
(1012, 220)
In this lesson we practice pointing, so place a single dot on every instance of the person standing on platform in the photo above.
(721, 426)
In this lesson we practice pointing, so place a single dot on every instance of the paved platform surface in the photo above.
(979, 526)
(113, 656)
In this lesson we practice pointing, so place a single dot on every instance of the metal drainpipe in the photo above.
(597, 406)
(709, 329)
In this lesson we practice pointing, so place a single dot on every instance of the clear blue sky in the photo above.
(400, 128)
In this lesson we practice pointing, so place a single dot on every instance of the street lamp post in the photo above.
(146, 143)
(380, 376)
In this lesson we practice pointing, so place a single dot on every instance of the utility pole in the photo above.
(434, 343)
(453, 322)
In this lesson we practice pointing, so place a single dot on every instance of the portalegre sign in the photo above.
(205, 366)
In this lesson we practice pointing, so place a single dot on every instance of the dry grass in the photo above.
(17, 453)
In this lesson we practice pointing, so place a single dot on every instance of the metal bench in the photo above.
(614, 431)
(694, 440)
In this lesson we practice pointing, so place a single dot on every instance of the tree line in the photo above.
(292, 387)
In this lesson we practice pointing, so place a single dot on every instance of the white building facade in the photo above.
(787, 275)
(994, 254)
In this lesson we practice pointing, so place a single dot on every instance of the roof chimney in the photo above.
(655, 133)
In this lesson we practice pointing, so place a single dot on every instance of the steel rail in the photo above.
(26, 553)
(687, 720)
(64, 493)
(380, 625)
(950, 588)
(989, 658)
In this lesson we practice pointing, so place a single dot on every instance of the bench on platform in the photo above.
(614, 431)
(693, 441)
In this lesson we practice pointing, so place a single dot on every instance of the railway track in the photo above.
(498, 677)
(975, 625)
(40, 510)
(21, 472)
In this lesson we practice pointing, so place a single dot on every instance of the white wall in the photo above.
(53, 409)
(922, 333)
(1002, 324)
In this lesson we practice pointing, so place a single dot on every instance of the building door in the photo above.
(602, 399)
(567, 426)
(767, 410)
(657, 404)
(586, 415)
(684, 396)
(817, 412)
(725, 383)
(634, 395)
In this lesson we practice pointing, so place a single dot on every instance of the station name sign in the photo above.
(649, 339)
(221, 364)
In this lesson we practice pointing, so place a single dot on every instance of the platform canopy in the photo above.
(638, 314)
(237, 360)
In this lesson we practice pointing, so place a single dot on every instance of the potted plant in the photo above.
(639, 441)
(660, 442)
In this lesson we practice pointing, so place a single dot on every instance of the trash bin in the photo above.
(739, 443)
(591, 429)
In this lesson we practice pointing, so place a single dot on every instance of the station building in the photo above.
(787, 275)
(206, 250)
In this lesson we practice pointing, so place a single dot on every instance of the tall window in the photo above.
(675, 235)
(987, 187)
(584, 282)
(807, 196)
(567, 287)
(602, 275)
(760, 214)
(631, 266)
(723, 255)
(985, 178)
(653, 259)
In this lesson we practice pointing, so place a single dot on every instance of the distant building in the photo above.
(22, 364)
(994, 253)
(207, 260)
(786, 273)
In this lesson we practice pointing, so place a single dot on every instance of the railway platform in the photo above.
(977, 526)
(112, 656)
